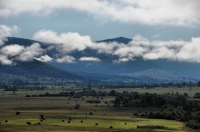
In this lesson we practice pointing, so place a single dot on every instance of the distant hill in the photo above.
(146, 71)
(35, 71)
(119, 40)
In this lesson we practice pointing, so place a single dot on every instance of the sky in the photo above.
(171, 27)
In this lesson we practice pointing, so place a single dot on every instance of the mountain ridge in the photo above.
(173, 71)
(34, 71)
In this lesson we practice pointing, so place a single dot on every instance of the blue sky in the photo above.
(169, 22)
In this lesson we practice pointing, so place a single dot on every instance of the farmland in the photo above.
(58, 110)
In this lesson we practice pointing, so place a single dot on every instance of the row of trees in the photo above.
(99, 84)
(173, 106)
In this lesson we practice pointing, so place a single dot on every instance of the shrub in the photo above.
(41, 116)
(28, 123)
(17, 113)
(152, 127)
(77, 106)
(28, 95)
(90, 113)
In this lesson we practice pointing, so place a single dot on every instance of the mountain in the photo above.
(35, 71)
(118, 39)
(139, 70)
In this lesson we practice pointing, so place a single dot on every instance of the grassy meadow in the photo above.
(58, 110)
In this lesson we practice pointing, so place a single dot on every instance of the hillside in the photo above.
(35, 71)
(146, 71)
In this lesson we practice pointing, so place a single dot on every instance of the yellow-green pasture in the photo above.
(56, 109)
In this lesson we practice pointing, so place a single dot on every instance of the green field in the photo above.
(56, 109)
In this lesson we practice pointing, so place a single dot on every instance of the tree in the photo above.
(77, 106)
(117, 101)
(198, 84)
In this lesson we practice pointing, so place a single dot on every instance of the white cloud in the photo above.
(2, 41)
(149, 12)
(12, 50)
(66, 59)
(6, 31)
(30, 52)
(190, 51)
(94, 59)
(65, 42)
(139, 47)
(45, 58)
(4, 60)
(123, 59)
(11, 53)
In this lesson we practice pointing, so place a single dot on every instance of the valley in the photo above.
(57, 111)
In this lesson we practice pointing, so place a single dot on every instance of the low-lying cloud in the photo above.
(11, 53)
(177, 50)
(64, 44)
(66, 59)
(45, 58)
(94, 59)
(148, 12)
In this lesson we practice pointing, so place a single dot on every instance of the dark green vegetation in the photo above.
(173, 106)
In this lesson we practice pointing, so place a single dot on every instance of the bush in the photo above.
(28, 123)
(152, 127)
(194, 124)
(77, 106)
(41, 116)
(17, 113)
(28, 95)
(93, 101)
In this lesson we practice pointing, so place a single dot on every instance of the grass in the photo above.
(57, 109)
(102, 123)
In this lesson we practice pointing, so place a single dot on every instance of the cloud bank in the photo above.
(11, 53)
(66, 43)
(148, 12)
(139, 47)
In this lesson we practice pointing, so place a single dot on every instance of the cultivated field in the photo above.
(57, 111)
